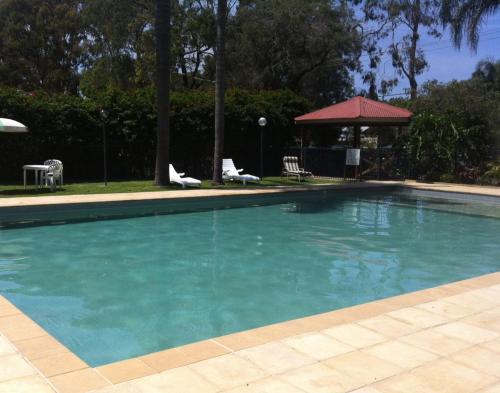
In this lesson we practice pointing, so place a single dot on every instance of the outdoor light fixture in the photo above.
(262, 123)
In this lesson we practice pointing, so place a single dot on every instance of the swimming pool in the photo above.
(121, 280)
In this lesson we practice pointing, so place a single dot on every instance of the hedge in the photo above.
(70, 128)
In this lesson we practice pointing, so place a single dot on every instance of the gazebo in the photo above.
(357, 112)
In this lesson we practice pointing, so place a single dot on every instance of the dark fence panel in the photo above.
(383, 164)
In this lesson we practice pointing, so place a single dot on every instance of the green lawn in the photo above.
(7, 191)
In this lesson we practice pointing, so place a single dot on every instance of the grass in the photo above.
(12, 191)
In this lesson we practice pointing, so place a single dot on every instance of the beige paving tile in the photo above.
(30, 384)
(367, 389)
(446, 309)
(321, 321)
(444, 291)
(354, 335)
(407, 300)
(418, 317)
(276, 331)
(78, 381)
(449, 377)
(275, 357)
(165, 360)
(39, 347)
(242, 340)
(318, 346)
(388, 326)
(7, 308)
(59, 364)
(177, 380)
(362, 368)
(467, 332)
(20, 327)
(492, 389)
(319, 378)
(125, 370)
(473, 300)
(368, 310)
(405, 383)
(125, 387)
(6, 347)
(480, 359)
(489, 319)
(203, 350)
(435, 342)
(493, 345)
(228, 371)
(268, 385)
(14, 366)
(403, 355)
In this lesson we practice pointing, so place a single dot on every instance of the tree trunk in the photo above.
(416, 16)
(162, 177)
(220, 87)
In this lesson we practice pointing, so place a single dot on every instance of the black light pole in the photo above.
(262, 124)
(104, 147)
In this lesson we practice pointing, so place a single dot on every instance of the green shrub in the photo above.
(70, 128)
(492, 175)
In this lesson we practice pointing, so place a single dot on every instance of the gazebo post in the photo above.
(357, 137)
(357, 145)
(301, 145)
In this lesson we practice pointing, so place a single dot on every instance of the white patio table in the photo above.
(36, 169)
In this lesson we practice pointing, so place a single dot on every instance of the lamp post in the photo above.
(104, 147)
(262, 124)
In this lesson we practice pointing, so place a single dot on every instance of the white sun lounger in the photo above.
(183, 181)
(229, 172)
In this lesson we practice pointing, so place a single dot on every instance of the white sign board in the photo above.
(352, 157)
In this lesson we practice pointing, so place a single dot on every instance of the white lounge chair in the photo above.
(183, 181)
(229, 172)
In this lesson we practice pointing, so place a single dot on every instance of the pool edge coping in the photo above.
(83, 199)
(62, 363)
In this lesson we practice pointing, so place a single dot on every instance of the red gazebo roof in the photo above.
(358, 111)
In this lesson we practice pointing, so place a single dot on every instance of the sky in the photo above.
(445, 61)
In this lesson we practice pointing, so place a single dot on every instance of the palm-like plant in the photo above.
(465, 18)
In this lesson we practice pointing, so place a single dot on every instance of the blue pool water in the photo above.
(110, 289)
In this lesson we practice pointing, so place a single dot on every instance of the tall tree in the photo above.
(466, 17)
(163, 11)
(115, 43)
(409, 18)
(308, 46)
(220, 89)
(41, 44)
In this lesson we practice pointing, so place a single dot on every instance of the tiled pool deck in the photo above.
(443, 339)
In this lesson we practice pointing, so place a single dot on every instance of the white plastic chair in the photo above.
(229, 172)
(183, 181)
(53, 176)
(43, 177)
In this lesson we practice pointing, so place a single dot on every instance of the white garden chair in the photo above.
(53, 176)
(60, 171)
